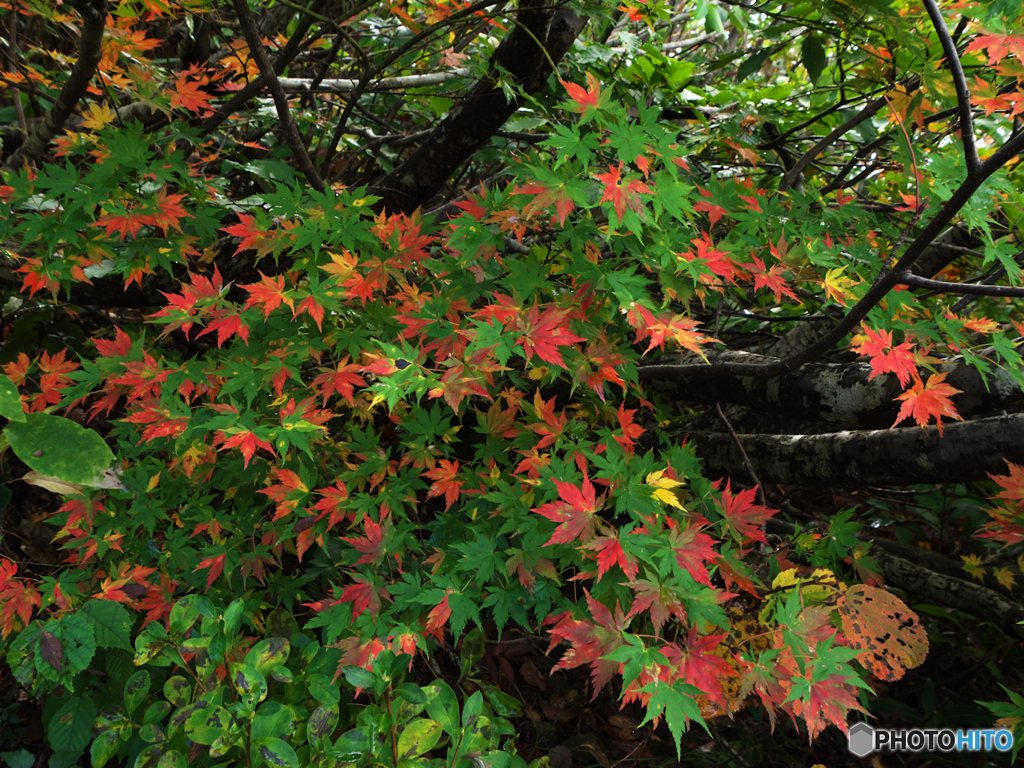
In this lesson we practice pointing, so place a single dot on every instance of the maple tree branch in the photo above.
(837, 395)
(485, 109)
(965, 452)
(743, 453)
(963, 94)
(94, 16)
(870, 110)
(972, 289)
(288, 52)
(291, 131)
(881, 288)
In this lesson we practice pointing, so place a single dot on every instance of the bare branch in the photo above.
(94, 16)
(291, 131)
(963, 94)
(870, 110)
(304, 84)
(972, 289)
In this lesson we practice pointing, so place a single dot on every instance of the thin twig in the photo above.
(291, 132)
(870, 110)
(743, 453)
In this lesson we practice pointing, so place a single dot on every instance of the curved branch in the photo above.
(291, 131)
(94, 16)
(870, 110)
(963, 94)
(973, 289)
(966, 451)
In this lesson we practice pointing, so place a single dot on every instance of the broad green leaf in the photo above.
(10, 401)
(71, 727)
(60, 448)
(276, 752)
(135, 690)
(268, 653)
(442, 706)
(812, 56)
(419, 736)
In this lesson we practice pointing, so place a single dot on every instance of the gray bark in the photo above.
(966, 451)
(840, 394)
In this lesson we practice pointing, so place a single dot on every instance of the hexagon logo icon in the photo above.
(861, 739)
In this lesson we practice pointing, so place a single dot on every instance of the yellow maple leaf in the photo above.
(663, 488)
(837, 286)
(972, 564)
(97, 116)
(1005, 577)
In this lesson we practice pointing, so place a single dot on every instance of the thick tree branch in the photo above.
(485, 109)
(965, 451)
(94, 16)
(836, 393)
(946, 590)
(291, 131)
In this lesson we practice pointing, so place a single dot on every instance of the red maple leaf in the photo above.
(168, 211)
(999, 46)
(886, 358)
(922, 401)
(371, 545)
(216, 566)
(610, 552)
(269, 292)
(1012, 484)
(742, 516)
(693, 549)
(245, 440)
(713, 210)
(341, 381)
(659, 599)
(125, 220)
(546, 195)
(228, 324)
(438, 617)
(828, 702)
(364, 596)
(700, 667)
(585, 99)
(620, 192)
(771, 279)
(590, 640)
(445, 476)
(576, 513)
(719, 262)
(542, 333)
(630, 431)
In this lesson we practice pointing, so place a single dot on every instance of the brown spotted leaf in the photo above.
(880, 624)
(51, 651)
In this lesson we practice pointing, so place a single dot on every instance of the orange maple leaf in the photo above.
(585, 99)
(620, 192)
(445, 476)
(885, 357)
(922, 401)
